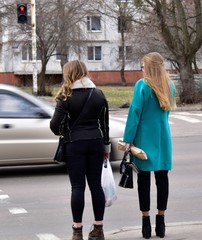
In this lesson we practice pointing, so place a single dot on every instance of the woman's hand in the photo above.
(127, 146)
(106, 156)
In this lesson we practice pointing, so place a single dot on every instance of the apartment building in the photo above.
(101, 51)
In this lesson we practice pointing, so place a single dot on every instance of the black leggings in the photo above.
(162, 184)
(84, 161)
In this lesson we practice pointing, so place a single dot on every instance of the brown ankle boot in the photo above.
(97, 233)
(77, 233)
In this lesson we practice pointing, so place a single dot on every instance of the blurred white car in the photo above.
(25, 136)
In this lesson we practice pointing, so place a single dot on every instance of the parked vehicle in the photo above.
(25, 137)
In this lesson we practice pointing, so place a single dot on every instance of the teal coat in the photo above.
(147, 127)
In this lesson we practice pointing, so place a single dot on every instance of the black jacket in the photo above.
(93, 122)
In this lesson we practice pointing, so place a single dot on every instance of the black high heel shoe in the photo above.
(146, 227)
(160, 226)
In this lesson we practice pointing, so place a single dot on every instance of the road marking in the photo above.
(47, 236)
(4, 196)
(188, 113)
(17, 210)
(121, 119)
(186, 118)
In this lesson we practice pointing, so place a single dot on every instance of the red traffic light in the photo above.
(22, 12)
(22, 8)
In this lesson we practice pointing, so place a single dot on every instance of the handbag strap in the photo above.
(62, 125)
(82, 110)
(126, 153)
(130, 164)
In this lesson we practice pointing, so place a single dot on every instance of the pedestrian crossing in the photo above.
(5, 200)
(174, 118)
(47, 236)
(187, 117)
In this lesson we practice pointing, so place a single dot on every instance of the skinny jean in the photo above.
(162, 185)
(84, 159)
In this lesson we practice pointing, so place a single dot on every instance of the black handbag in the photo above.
(59, 154)
(126, 171)
(60, 151)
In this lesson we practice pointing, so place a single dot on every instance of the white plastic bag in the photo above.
(108, 184)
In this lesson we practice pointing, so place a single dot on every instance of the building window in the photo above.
(58, 54)
(126, 52)
(93, 23)
(95, 53)
(27, 53)
(124, 23)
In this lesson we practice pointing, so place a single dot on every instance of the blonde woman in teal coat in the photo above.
(147, 127)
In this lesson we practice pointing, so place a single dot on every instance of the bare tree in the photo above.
(180, 25)
(122, 14)
(57, 26)
(124, 25)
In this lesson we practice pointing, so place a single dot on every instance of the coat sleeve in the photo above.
(134, 113)
(104, 125)
(59, 114)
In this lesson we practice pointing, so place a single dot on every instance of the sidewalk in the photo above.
(175, 231)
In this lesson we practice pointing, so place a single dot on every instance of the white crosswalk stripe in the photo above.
(17, 210)
(188, 113)
(4, 196)
(185, 118)
(47, 236)
(189, 117)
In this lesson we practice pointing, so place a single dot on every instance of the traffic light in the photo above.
(22, 12)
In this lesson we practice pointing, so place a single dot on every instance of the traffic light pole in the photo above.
(34, 47)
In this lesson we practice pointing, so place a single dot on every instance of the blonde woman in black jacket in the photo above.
(87, 142)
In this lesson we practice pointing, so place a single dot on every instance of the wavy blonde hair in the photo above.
(72, 71)
(158, 79)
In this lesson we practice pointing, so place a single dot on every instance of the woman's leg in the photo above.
(76, 165)
(143, 181)
(93, 174)
(162, 184)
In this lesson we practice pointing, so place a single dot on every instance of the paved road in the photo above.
(182, 123)
(34, 201)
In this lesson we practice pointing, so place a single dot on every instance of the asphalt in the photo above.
(174, 231)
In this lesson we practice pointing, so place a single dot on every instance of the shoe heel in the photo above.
(146, 227)
(160, 226)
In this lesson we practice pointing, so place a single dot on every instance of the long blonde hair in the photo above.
(158, 79)
(72, 71)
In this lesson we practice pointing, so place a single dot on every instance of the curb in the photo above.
(180, 230)
(177, 224)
